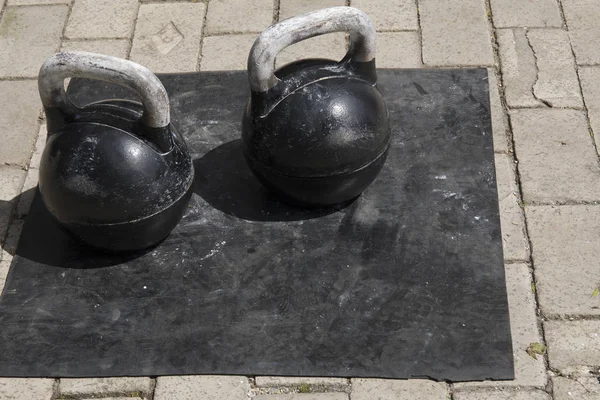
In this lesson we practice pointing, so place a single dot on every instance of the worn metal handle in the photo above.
(261, 61)
(80, 64)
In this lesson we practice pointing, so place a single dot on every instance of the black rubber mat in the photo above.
(407, 281)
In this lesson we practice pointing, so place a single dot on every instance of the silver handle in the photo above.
(261, 61)
(80, 64)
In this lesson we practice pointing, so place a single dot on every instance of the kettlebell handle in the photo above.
(261, 62)
(80, 64)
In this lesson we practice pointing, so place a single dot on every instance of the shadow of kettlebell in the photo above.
(43, 241)
(224, 180)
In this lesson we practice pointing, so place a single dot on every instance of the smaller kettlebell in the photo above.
(115, 173)
(316, 131)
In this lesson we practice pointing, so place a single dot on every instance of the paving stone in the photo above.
(228, 52)
(557, 160)
(512, 220)
(538, 68)
(167, 36)
(201, 387)
(455, 32)
(291, 8)
(557, 82)
(584, 30)
(519, 71)
(398, 50)
(26, 388)
(295, 381)
(384, 389)
(573, 343)
(524, 330)
(390, 15)
(110, 47)
(108, 386)
(331, 46)
(102, 19)
(498, 394)
(28, 35)
(537, 13)
(303, 396)
(34, 2)
(584, 388)
(24, 106)
(4, 267)
(238, 16)
(590, 83)
(565, 255)
(11, 180)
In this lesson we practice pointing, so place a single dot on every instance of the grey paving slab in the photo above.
(290, 8)
(565, 255)
(538, 13)
(18, 121)
(557, 82)
(557, 160)
(455, 32)
(238, 16)
(28, 35)
(4, 267)
(229, 52)
(303, 396)
(332, 46)
(384, 389)
(201, 387)
(390, 15)
(110, 386)
(398, 50)
(500, 394)
(524, 329)
(102, 19)
(111, 47)
(499, 119)
(590, 83)
(514, 242)
(26, 389)
(295, 381)
(583, 388)
(167, 36)
(519, 70)
(582, 20)
(572, 343)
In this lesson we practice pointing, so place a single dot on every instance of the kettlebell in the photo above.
(316, 131)
(114, 173)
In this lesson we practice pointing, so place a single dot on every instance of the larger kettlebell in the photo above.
(316, 131)
(115, 173)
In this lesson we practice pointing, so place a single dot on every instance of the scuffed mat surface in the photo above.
(407, 281)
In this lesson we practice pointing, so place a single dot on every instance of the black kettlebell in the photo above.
(115, 173)
(316, 131)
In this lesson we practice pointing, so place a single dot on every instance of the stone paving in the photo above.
(543, 57)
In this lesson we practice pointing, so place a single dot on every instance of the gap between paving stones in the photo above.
(585, 107)
(512, 152)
